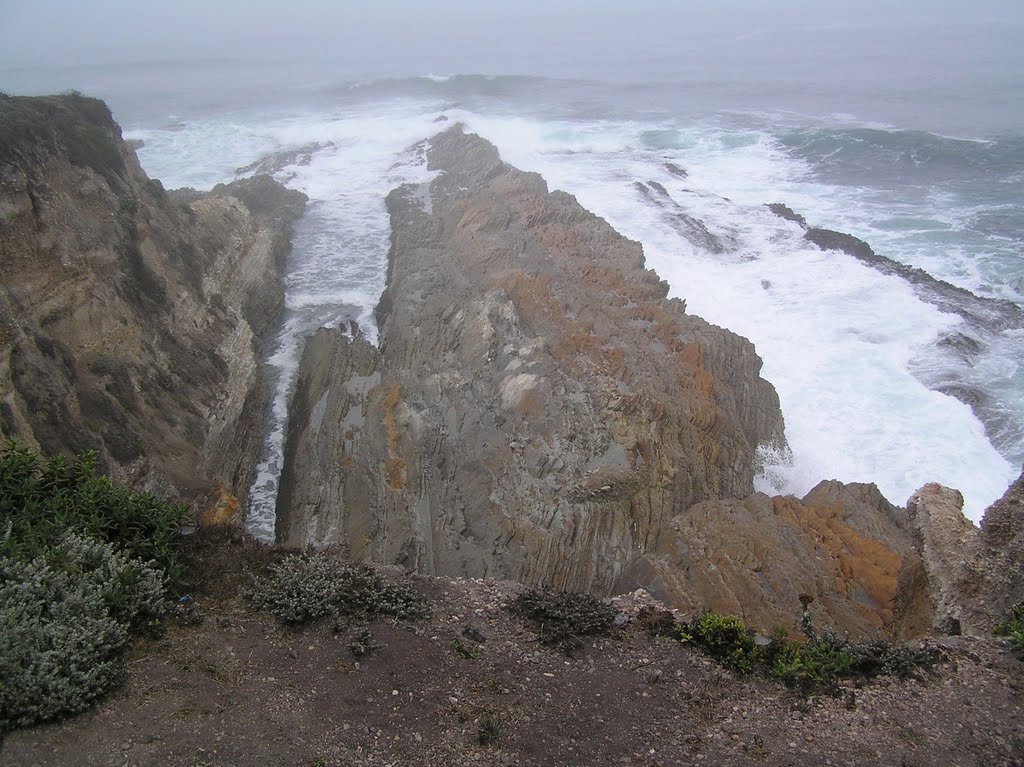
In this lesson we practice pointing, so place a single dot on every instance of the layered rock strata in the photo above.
(971, 577)
(539, 395)
(540, 411)
(133, 320)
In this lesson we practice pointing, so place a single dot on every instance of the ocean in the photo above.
(878, 381)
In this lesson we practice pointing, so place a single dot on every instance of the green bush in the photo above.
(561, 618)
(724, 638)
(42, 499)
(305, 588)
(1014, 629)
(65, 616)
(82, 563)
(822, 659)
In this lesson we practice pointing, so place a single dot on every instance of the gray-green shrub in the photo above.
(307, 587)
(561, 618)
(65, 617)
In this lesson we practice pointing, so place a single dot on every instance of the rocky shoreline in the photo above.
(537, 409)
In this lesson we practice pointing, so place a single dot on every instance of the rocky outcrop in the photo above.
(1002, 543)
(133, 320)
(844, 546)
(970, 577)
(328, 486)
(540, 411)
(990, 313)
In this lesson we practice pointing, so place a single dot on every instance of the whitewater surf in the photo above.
(877, 384)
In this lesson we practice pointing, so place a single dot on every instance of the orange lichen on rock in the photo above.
(395, 473)
(858, 562)
(533, 298)
(388, 405)
(220, 508)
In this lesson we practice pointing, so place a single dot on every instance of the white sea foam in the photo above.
(838, 339)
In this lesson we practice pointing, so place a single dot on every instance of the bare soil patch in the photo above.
(474, 686)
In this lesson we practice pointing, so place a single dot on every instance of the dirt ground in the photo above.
(472, 686)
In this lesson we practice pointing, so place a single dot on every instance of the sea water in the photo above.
(855, 355)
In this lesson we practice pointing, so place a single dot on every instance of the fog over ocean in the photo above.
(904, 128)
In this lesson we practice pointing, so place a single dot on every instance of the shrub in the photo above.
(561, 618)
(724, 638)
(489, 730)
(822, 659)
(65, 616)
(42, 499)
(306, 588)
(1014, 629)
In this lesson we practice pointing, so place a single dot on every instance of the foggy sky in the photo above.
(472, 35)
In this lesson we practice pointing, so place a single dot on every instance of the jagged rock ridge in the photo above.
(133, 320)
(540, 411)
(536, 388)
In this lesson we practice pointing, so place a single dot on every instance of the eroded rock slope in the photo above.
(539, 410)
(133, 320)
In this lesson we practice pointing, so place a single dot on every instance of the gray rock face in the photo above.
(326, 490)
(970, 578)
(844, 546)
(542, 410)
(132, 320)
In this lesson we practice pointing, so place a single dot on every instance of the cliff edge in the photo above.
(540, 411)
(133, 320)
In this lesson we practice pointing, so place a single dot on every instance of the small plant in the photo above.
(1014, 629)
(307, 587)
(560, 619)
(65, 616)
(726, 639)
(489, 731)
(463, 649)
(656, 623)
(822, 659)
(363, 644)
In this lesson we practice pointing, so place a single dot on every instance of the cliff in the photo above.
(971, 577)
(540, 411)
(133, 320)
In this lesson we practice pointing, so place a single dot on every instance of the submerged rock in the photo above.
(133, 320)
(689, 227)
(987, 313)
